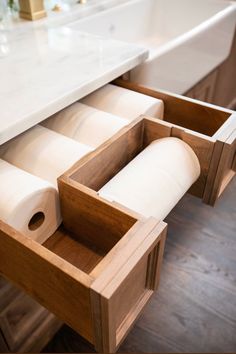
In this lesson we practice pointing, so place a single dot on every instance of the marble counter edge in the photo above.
(71, 97)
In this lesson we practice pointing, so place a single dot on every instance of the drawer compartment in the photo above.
(208, 128)
(90, 285)
(99, 269)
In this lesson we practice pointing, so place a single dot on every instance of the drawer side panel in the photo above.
(54, 283)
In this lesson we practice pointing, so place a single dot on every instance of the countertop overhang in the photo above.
(43, 70)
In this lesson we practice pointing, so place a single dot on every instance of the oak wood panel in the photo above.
(126, 278)
(226, 129)
(149, 129)
(81, 255)
(53, 282)
(203, 149)
(225, 88)
(234, 163)
(205, 89)
(120, 251)
(209, 149)
(225, 171)
(216, 156)
(110, 158)
(221, 169)
(188, 113)
(155, 129)
(202, 146)
(90, 218)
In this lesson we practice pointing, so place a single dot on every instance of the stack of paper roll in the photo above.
(28, 203)
(156, 179)
(124, 103)
(43, 153)
(85, 124)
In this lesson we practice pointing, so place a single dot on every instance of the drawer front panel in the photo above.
(226, 169)
(119, 297)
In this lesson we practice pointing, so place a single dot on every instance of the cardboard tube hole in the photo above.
(36, 221)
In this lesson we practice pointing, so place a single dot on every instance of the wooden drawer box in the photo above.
(98, 288)
(208, 129)
(99, 269)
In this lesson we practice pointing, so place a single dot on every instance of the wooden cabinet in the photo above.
(225, 89)
(99, 269)
(205, 89)
(90, 288)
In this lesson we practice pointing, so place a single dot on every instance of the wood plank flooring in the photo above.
(195, 307)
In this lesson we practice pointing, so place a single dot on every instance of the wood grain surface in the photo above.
(195, 307)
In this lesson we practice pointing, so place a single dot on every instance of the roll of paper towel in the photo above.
(124, 103)
(85, 124)
(28, 203)
(156, 179)
(43, 153)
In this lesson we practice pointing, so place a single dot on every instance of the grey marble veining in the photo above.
(43, 70)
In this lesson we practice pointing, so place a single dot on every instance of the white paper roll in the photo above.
(28, 203)
(43, 153)
(156, 179)
(85, 124)
(124, 103)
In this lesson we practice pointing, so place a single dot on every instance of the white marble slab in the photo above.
(70, 11)
(73, 11)
(46, 69)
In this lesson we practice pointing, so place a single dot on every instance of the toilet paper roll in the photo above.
(85, 124)
(155, 180)
(28, 203)
(43, 153)
(124, 103)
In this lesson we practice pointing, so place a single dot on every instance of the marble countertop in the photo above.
(71, 11)
(44, 69)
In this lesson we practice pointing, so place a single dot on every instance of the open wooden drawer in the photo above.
(208, 129)
(81, 202)
(96, 279)
(99, 269)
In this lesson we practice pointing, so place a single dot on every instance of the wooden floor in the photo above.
(195, 307)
